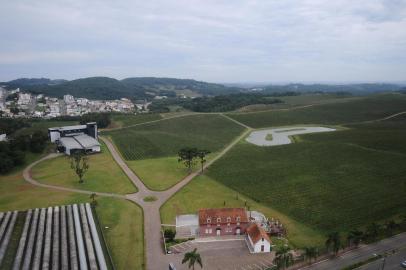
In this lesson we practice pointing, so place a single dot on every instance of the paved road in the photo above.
(391, 262)
(362, 253)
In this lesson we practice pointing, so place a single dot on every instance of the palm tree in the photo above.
(311, 253)
(93, 198)
(391, 226)
(284, 258)
(333, 242)
(192, 257)
(202, 155)
(354, 237)
(373, 231)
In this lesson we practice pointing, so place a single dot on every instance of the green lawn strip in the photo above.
(104, 175)
(162, 173)
(322, 181)
(12, 247)
(124, 232)
(369, 108)
(204, 192)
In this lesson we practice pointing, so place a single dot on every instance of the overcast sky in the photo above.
(218, 41)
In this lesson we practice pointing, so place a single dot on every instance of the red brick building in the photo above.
(222, 221)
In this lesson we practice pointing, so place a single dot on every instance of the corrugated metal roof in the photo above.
(70, 143)
(86, 141)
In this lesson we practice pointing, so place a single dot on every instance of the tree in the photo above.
(372, 231)
(333, 242)
(93, 198)
(192, 257)
(169, 234)
(37, 142)
(187, 155)
(284, 258)
(390, 226)
(311, 253)
(202, 155)
(78, 163)
(355, 237)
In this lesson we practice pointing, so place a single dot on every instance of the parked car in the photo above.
(403, 264)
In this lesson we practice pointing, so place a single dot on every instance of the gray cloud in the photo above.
(269, 40)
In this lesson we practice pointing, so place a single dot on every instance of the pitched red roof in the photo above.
(223, 214)
(256, 233)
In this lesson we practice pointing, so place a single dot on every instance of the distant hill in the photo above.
(109, 88)
(361, 88)
(171, 84)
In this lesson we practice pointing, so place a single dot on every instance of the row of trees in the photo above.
(12, 152)
(191, 155)
(334, 242)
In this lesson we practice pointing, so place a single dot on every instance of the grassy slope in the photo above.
(124, 120)
(165, 138)
(124, 218)
(369, 108)
(329, 181)
(104, 175)
(301, 100)
(204, 192)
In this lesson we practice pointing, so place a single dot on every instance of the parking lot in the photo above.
(224, 254)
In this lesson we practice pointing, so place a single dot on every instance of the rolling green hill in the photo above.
(365, 109)
(109, 88)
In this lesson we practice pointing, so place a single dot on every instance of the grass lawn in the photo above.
(123, 218)
(369, 108)
(162, 173)
(159, 173)
(125, 233)
(165, 138)
(204, 192)
(339, 180)
(104, 175)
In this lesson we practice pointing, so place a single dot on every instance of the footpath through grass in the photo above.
(104, 175)
(339, 180)
(369, 108)
(204, 192)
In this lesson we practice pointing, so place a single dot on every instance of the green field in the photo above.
(104, 175)
(159, 173)
(204, 192)
(165, 138)
(124, 219)
(369, 108)
(300, 100)
(330, 181)
(124, 120)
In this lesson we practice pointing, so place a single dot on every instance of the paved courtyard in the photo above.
(224, 255)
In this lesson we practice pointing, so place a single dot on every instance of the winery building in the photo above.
(70, 139)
